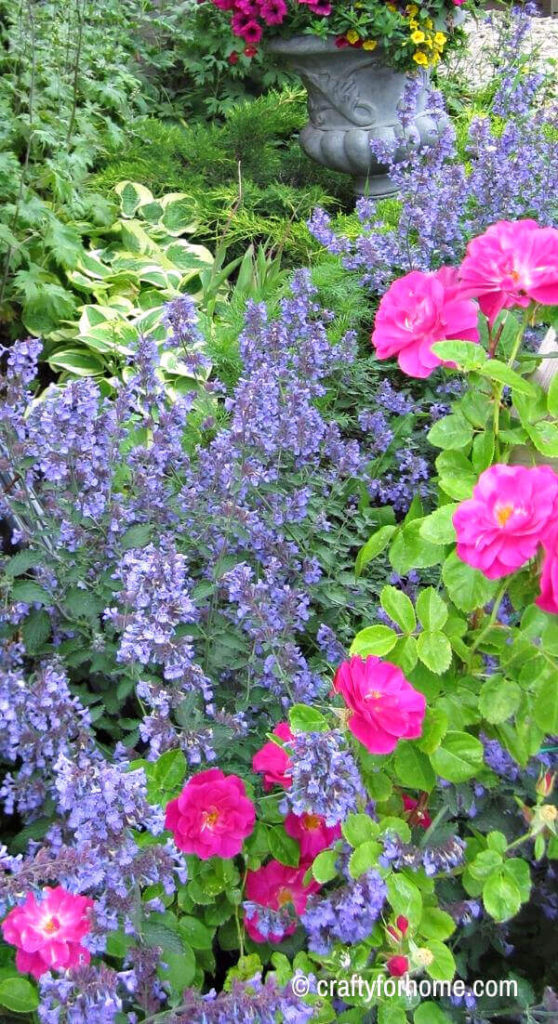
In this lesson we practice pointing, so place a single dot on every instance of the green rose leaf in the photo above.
(399, 607)
(412, 767)
(431, 609)
(459, 757)
(434, 728)
(364, 858)
(359, 828)
(324, 868)
(436, 924)
(452, 432)
(499, 699)
(503, 374)
(501, 896)
(467, 354)
(438, 527)
(282, 847)
(303, 718)
(546, 706)
(434, 650)
(404, 897)
(457, 476)
(376, 640)
(411, 551)
(467, 587)
(18, 995)
(442, 967)
(430, 1013)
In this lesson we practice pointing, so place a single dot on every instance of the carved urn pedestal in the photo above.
(352, 100)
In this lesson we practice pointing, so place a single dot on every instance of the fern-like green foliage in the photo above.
(248, 177)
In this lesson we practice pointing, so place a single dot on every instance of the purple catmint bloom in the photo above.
(86, 995)
(40, 721)
(184, 337)
(400, 487)
(247, 1002)
(498, 758)
(439, 859)
(325, 777)
(347, 916)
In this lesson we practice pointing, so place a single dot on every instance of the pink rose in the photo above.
(276, 887)
(511, 264)
(312, 834)
(48, 934)
(384, 706)
(212, 816)
(548, 598)
(274, 761)
(418, 310)
(500, 528)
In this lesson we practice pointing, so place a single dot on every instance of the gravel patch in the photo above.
(477, 63)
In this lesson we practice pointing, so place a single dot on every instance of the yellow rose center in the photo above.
(503, 513)
(51, 925)
(311, 822)
(210, 818)
(284, 896)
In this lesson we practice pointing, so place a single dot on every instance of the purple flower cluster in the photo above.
(40, 721)
(435, 860)
(247, 1002)
(325, 777)
(347, 916)
(86, 995)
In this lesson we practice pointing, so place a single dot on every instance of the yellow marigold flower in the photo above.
(429, 23)
(418, 37)
(413, 23)
(440, 39)
(412, 9)
(352, 36)
(369, 44)
(420, 58)
(391, 7)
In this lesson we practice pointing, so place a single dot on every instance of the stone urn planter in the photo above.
(352, 100)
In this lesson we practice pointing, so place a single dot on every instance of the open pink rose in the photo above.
(384, 706)
(548, 598)
(277, 888)
(212, 816)
(418, 310)
(273, 761)
(312, 833)
(511, 264)
(48, 933)
(500, 528)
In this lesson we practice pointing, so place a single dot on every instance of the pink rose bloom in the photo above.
(500, 528)
(274, 761)
(458, 2)
(48, 934)
(212, 816)
(548, 598)
(383, 705)
(275, 887)
(312, 834)
(416, 311)
(511, 264)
